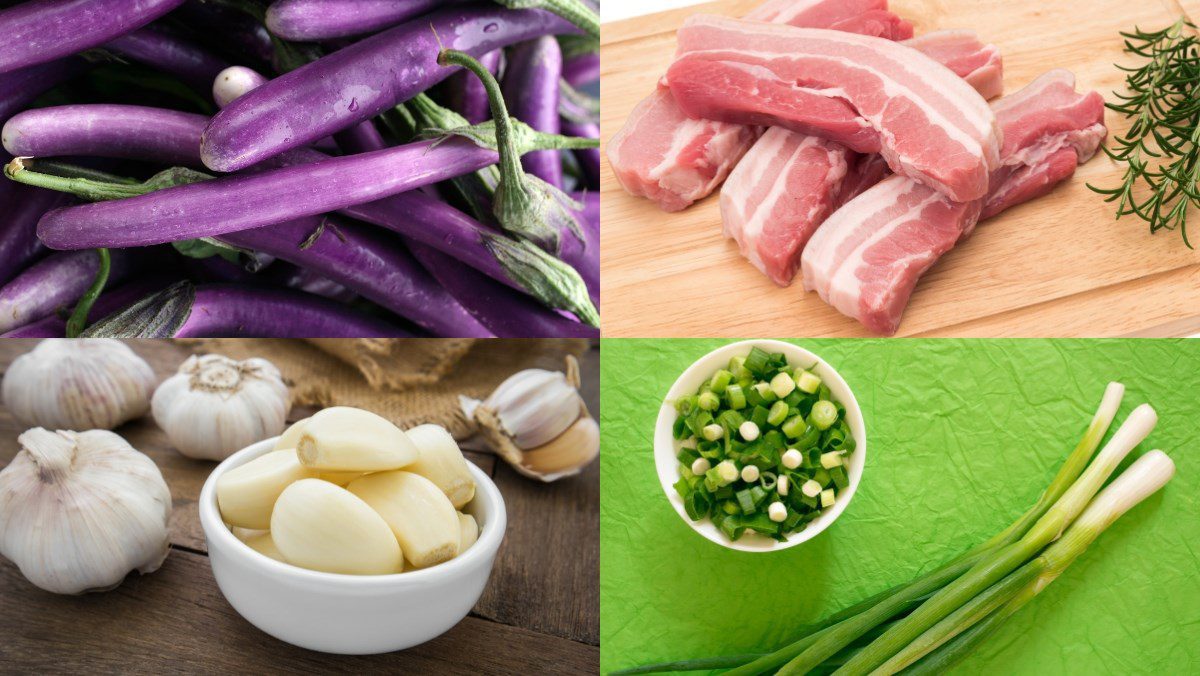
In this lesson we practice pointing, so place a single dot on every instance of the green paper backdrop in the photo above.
(962, 437)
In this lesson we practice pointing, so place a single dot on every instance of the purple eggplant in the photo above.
(185, 310)
(169, 53)
(588, 158)
(52, 283)
(232, 83)
(20, 87)
(303, 279)
(531, 90)
(508, 313)
(465, 93)
(44, 30)
(581, 69)
(363, 137)
(233, 203)
(317, 20)
(107, 130)
(360, 81)
(22, 206)
(55, 326)
(371, 262)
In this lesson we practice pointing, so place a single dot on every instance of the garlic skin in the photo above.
(537, 423)
(86, 383)
(215, 406)
(80, 510)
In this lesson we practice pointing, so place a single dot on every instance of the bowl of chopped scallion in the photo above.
(760, 445)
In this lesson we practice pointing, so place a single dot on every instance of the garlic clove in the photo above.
(420, 515)
(536, 405)
(246, 494)
(442, 462)
(78, 384)
(80, 510)
(214, 405)
(339, 478)
(345, 439)
(291, 436)
(468, 533)
(319, 526)
(566, 455)
(264, 544)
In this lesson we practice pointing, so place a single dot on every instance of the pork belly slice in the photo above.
(662, 154)
(869, 94)
(867, 257)
(789, 183)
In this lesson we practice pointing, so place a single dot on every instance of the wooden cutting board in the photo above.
(1057, 266)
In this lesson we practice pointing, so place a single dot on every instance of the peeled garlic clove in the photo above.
(291, 436)
(264, 544)
(442, 462)
(417, 511)
(215, 405)
(319, 526)
(565, 456)
(246, 494)
(80, 510)
(339, 478)
(78, 384)
(468, 533)
(344, 439)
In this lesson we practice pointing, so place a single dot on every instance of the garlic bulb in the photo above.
(95, 383)
(79, 510)
(215, 405)
(537, 422)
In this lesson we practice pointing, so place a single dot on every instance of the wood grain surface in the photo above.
(539, 612)
(1057, 266)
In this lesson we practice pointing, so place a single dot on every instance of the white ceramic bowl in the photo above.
(350, 614)
(666, 447)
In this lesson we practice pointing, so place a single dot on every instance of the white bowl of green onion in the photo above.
(760, 445)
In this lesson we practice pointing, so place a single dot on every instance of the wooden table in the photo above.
(538, 614)
(1056, 266)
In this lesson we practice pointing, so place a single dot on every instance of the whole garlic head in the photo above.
(215, 405)
(537, 423)
(85, 383)
(80, 510)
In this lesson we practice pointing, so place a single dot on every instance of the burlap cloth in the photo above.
(409, 380)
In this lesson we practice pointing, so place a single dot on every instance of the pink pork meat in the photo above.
(869, 94)
(674, 160)
(789, 183)
(866, 259)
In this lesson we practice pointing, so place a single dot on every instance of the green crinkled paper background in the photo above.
(962, 437)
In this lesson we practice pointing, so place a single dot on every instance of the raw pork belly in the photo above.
(867, 257)
(788, 183)
(869, 94)
(667, 157)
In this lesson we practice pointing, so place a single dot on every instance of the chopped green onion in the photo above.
(709, 401)
(782, 384)
(736, 397)
(823, 415)
(777, 414)
(807, 381)
(794, 426)
(713, 432)
(720, 381)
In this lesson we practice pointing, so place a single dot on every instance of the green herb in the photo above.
(1161, 150)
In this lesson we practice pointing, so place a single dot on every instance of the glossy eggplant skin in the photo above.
(316, 20)
(531, 92)
(54, 282)
(143, 133)
(362, 80)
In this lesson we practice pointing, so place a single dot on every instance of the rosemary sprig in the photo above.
(1161, 150)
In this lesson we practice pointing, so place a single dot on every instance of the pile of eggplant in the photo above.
(299, 168)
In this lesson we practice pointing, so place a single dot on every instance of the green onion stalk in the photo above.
(1142, 479)
(849, 625)
(997, 563)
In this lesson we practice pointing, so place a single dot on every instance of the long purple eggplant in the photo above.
(581, 69)
(185, 310)
(20, 87)
(20, 208)
(371, 262)
(589, 158)
(233, 203)
(44, 30)
(316, 20)
(531, 90)
(169, 53)
(54, 282)
(506, 312)
(363, 137)
(360, 81)
(465, 93)
(302, 279)
(55, 326)
(106, 130)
